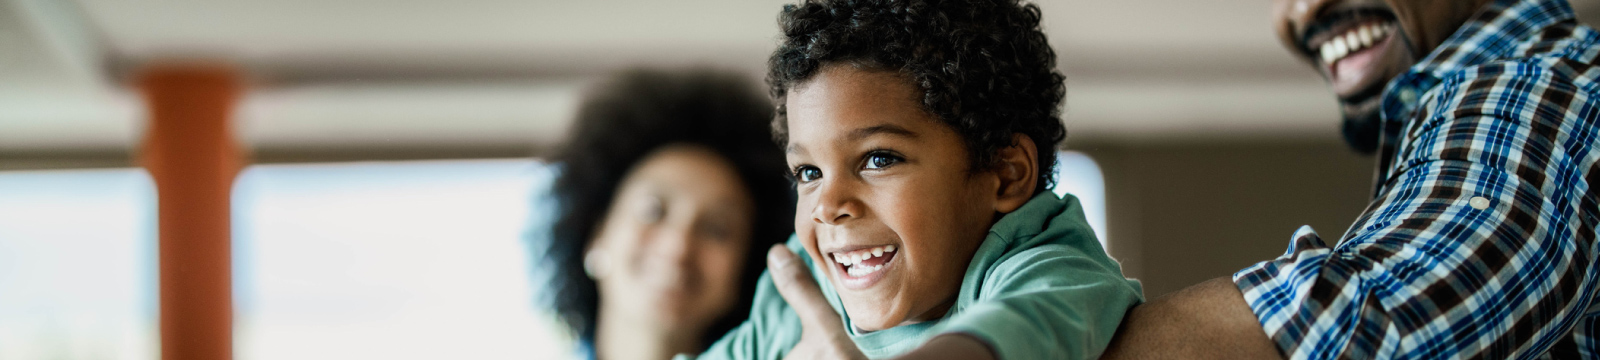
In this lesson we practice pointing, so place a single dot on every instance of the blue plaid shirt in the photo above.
(1480, 239)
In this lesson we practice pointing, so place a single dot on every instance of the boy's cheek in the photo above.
(807, 232)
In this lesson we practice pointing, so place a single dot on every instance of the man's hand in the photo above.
(822, 332)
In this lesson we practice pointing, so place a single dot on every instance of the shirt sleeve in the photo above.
(1480, 244)
(1034, 312)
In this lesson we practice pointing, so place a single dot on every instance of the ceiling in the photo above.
(366, 74)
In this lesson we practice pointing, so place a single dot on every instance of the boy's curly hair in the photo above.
(984, 66)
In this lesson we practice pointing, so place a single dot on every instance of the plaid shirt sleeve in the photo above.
(1480, 242)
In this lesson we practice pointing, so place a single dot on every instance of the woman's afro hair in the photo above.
(625, 119)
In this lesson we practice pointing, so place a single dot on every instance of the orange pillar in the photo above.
(191, 155)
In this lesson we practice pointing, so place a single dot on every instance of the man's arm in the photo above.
(1480, 244)
(1205, 321)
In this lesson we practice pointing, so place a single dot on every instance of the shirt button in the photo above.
(1479, 202)
(1408, 95)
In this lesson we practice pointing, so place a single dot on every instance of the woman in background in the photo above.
(670, 190)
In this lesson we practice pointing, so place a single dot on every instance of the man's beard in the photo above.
(1362, 131)
(1363, 120)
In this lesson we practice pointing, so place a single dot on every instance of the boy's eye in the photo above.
(880, 160)
(807, 174)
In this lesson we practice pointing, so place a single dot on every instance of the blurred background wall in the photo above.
(1215, 144)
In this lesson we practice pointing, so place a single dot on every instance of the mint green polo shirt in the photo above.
(1039, 287)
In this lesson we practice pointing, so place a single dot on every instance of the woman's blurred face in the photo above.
(671, 249)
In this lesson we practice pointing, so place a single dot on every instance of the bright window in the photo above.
(412, 260)
(77, 265)
(1078, 174)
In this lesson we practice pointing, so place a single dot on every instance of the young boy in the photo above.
(921, 138)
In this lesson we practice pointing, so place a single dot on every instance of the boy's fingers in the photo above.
(797, 287)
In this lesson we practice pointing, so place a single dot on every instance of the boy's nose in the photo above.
(834, 205)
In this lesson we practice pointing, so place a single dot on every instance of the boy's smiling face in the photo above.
(888, 202)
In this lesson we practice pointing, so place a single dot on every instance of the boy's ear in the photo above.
(1018, 170)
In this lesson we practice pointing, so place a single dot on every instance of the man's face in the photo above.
(1360, 45)
(888, 203)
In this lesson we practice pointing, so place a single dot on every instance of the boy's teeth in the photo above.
(855, 257)
(864, 270)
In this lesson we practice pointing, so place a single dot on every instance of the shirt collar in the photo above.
(1496, 32)
(1500, 30)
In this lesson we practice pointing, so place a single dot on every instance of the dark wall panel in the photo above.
(1182, 213)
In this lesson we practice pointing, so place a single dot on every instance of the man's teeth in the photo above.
(855, 257)
(1353, 40)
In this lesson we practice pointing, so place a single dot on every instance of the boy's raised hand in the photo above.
(822, 332)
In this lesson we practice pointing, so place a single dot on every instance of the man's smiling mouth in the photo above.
(1349, 45)
(1354, 40)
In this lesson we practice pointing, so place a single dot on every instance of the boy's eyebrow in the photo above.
(862, 133)
(889, 129)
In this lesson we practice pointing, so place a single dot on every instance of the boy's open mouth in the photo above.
(860, 268)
